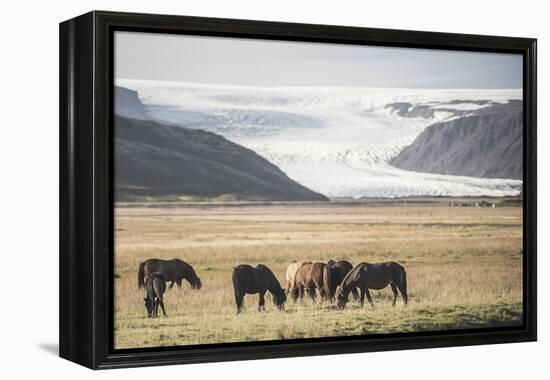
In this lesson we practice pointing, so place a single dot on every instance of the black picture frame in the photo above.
(86, 188)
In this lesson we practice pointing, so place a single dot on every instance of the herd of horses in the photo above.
(334, 281)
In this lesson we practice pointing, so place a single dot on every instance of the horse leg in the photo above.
(157, 303)
(295, 293)
(161, 302)
(311, 292)
(362, 297)
(239, 301)
(323, 294)
(394, 290)
(261, 303)
(300, 293)
(355, 294)
(369, 297)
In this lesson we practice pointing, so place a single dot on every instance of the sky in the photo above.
(248, 62)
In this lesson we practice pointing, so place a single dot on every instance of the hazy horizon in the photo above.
(119, 83)
(266, 63)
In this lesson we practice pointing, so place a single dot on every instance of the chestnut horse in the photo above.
(291, 273)
(308, 278)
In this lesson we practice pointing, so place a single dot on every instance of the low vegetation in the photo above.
(464, 268)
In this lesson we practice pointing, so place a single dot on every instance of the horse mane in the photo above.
(274, 284)
(188, 272)
(349, 279)
(191, 270)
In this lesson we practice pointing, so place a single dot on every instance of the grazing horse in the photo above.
(373, 276)
(311, 276)
(338, 270)
(155, 286)
(249, 280)
(174, 270)
(291, 273)
(302, 282)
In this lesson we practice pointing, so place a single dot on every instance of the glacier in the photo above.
(334, 140)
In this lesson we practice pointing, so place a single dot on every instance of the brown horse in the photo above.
(308, 278)
(259, 280)
(291, 273)
(373, 276)
(174, 270)
(301, 282)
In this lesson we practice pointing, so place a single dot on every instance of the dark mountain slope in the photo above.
(487, 144)
(154, 159)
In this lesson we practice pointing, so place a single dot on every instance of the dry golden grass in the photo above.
(464, 268)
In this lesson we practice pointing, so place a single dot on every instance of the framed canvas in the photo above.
(234, 189)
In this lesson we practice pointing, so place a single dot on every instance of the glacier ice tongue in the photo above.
(334, 140)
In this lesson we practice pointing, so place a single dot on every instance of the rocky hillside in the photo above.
(485, 143)
(154, 159)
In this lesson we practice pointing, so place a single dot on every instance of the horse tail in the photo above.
(159, 287)
(326, 282)
(404, 286)
(235, 280)
(141, 275)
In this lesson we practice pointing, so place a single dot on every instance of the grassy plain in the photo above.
(464, 268)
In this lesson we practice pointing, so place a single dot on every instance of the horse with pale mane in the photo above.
(308, 278)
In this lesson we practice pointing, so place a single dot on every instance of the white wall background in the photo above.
(29, 191)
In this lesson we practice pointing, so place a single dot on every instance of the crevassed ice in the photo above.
(334, 140)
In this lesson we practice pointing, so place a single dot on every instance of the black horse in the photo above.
(249, 280)
(174, 270)
(155, 286)
(373, 276)
(338, 270)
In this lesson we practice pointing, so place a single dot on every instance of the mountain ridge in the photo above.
(338, 142)
(154, 159)
(484, 144)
